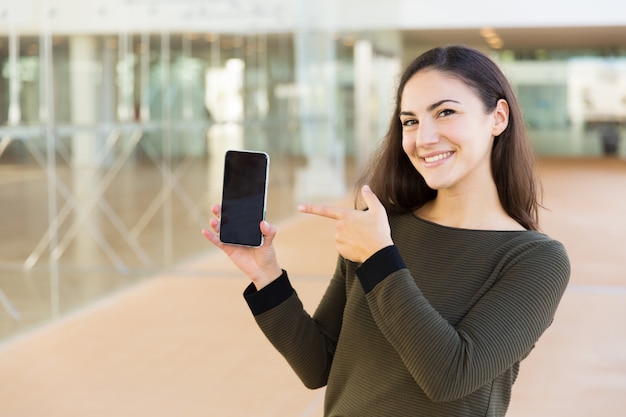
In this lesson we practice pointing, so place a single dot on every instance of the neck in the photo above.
(472, 209)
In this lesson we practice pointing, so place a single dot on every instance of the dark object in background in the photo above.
(610, 137)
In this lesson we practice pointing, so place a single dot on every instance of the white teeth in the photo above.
(437, 157)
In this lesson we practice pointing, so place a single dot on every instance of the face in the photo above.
(447, 133)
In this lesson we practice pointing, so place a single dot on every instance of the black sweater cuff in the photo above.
(269, 296)
(378, 266)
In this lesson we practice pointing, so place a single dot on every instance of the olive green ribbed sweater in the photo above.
(435, 325)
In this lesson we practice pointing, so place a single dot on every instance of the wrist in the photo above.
(267, 277)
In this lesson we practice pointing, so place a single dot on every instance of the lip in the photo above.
(436, 158)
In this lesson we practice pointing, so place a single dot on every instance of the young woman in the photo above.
(443, 283)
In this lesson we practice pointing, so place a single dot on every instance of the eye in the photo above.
(407, 123)
(446, 112)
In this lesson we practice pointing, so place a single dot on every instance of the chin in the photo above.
(438, 185)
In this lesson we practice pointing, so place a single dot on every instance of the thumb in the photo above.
(371, 200)
(269, 232)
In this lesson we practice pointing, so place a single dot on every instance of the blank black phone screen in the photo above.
(243, 197)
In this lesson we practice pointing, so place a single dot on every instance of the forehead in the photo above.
(429, 86)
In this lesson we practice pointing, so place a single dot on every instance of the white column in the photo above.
(15, 112)
(84, 74)
(363, 62)
(224, 100)
(323, 176)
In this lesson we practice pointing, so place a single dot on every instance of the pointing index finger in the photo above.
(330, 212)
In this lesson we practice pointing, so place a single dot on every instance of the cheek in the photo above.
(408, 145)
(410, 149)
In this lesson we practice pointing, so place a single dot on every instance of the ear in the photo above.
(500, 117)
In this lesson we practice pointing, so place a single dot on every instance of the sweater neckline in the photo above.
(460, 229)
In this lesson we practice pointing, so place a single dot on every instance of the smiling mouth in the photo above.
(438, 157)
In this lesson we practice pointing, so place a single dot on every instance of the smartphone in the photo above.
(244, 197)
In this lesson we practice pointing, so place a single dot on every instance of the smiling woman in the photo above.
(443, 285)
(450, 141)
(454, 104)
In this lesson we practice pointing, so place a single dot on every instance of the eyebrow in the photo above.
(431, 107)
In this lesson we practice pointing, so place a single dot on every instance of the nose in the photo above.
(427, 133)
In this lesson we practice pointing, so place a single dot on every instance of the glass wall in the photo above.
(111, 150)
(111, 146)
(574, 102)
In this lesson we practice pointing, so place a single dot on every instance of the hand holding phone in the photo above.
(244, 197)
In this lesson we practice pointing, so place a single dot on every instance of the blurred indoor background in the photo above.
(114, 116)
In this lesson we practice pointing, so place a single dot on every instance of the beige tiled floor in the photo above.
(183, 343)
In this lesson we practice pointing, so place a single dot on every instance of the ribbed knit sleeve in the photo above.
(270, 296)
(451, 361)
(307, 343)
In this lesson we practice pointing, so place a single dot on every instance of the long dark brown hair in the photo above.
(402, 189)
